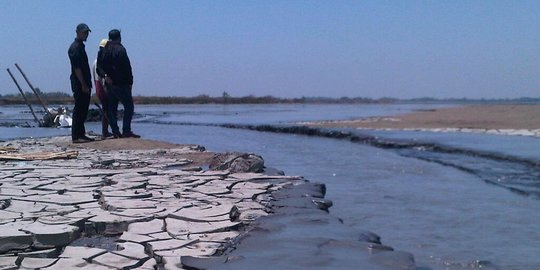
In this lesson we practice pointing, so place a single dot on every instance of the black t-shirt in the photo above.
(79, 59)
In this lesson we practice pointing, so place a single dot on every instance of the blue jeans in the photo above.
(122, 94)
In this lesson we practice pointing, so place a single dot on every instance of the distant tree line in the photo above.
(225, 98)
(49, 97)
(206, 99)
(65, 98)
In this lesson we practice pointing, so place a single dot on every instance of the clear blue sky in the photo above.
(288, 48)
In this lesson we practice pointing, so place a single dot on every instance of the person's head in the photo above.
(114, 35)
(82, 31)
(103, 43)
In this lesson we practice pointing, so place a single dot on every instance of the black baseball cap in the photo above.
(83, 27)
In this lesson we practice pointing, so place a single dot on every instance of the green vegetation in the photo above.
(51, 97)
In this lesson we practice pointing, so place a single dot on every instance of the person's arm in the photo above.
(126, 64)
(130, 73)
(99, 64)
(80, 77)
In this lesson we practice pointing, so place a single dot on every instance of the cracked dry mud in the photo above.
(121, 209)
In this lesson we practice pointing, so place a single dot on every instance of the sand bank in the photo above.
(496, 119)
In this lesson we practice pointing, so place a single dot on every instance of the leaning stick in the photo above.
(102, 111)
(33, 89)
(22, 93)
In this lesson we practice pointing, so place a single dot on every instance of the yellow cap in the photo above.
(103, 42)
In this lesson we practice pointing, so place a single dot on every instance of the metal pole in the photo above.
(22, 93)
(33, 89)
(102, 111)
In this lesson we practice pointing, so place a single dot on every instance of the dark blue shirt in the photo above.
(79, 59)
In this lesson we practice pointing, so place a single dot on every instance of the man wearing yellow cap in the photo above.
(101, 93)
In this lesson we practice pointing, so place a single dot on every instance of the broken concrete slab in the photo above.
(74, 263)
(12, 238)
(172, 262)
(205, 213)
(148, 227)
(51, 235)
(37, 263)
(161, 236)
(136, 238)
(219, 237)
(150, 264)
(109, 224)
(178, 227)
(128, 194)
(116, 261)
(191, 250)
(8, 215)
(131, 250)
(126, 203)
(8, 263)
(59, 220)
(45, 253)
(86, 253)
(171, 244)
(68, 198)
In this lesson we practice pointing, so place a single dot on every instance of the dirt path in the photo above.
(198, 158)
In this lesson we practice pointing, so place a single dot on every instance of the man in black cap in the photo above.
(81, 84)
(119, 79)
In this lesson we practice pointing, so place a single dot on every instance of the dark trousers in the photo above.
(122, 94)
(80, 111)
